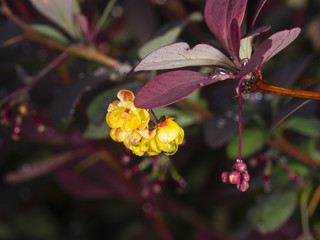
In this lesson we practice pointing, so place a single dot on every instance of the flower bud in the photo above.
(225, 177)
(240, 167)
(243, 186)
(234, 177)
(245, 176)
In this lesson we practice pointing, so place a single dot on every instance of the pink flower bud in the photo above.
(240, 167)
(243, 186)
(225, 177)
(234, 177)
(245, 176)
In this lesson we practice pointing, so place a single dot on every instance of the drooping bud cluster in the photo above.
(132, 126)
(238, 175)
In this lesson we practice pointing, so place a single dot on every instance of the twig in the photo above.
(314, 202)
(284, 145)
(89, 53)
(206, 114)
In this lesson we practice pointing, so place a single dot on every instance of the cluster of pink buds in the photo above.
(238, 175)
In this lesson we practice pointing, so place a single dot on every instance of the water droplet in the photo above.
(170, 153)
(236, 118)
(117, 11)
(246, 96)
(100, 72)
(201, 84)
(244, 62)
(258, 96)
(221, 123)
(221, 71)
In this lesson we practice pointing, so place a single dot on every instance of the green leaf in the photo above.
(169, 36)
(253, 139)
(246, 46)
(182, 118)
(96, 131)
(273, 210)
(305, 126)
(60, 12)
(50, 32)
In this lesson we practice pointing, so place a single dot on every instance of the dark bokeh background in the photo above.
(62, 177)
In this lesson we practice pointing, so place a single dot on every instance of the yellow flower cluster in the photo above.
(129, 124)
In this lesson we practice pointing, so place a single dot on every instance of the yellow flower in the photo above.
(167, 136)
(118, 135)
(124, 115)
(138, 141)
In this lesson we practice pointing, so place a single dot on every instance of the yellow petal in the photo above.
(125, 95)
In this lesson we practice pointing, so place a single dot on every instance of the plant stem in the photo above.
(89, 53)
(238, 89)
(314, 201)
(104, 16)
(284, 145)
(47, 69)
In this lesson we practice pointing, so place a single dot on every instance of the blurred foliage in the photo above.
(63, 62)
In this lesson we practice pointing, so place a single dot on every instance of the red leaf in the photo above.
(280, 40)
(28, 172)
(234, 44)
(171, 87)
(256, 58)
(96, 181)
(219, 15)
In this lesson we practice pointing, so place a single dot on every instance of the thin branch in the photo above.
(284, 145)
(104, 16)
(89, 53)
(205, 113)
(314, 202)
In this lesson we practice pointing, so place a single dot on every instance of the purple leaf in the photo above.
(234, 41)
(287, 74)
(280, 40)
(219, 15)
(96, 181)
(180, 55)
(171, 87)
(259, 6)
(256, 58)
(30, 171)
(258, 31)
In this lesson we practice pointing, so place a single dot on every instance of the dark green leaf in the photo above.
(273, 210)
(305, 126)
(253, 139)
(100, 131)
(50, 32)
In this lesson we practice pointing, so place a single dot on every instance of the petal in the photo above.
(125, 95)
(180, 55)
(171, 87)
